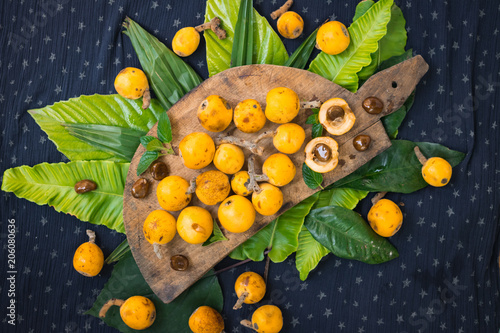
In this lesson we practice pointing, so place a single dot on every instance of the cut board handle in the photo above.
(394, 84)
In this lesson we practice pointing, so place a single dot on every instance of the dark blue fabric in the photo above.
(446, 278)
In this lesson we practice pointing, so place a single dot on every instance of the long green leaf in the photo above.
(288, 227)
(119, 252)
(301, 55)
(107, 110)
(310, 252)
(392, 44)
(53, 184)
(361, 8)
(365, 33)
(169, 76)
(348, 236)
(119, 141)
(281, 235)
(343, 197)
(126, 281)
(397, 169)
(267, 47)
(255, 246)
(243, 44)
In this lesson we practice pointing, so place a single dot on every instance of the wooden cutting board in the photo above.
(392, 86)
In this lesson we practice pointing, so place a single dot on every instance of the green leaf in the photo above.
(155, 145)
(126, 281)
(392, 44)
(309, 251)
(164, 129)
(281, 235)
(145, 140)
(395, 119)
(267, 46)
(301, 55)
(317, 130)
(216, 236)
(53, 184)
(288, 226)
(122, 142)
(343, 197)
(243, 45)
(146, 159)
(397, 169)
(109, 110)
(365, 33)
(312, 119)
(348, 236)
(362, 8)
(312, 179)
(118, 253)
(169, 76)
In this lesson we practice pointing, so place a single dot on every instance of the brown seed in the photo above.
(322, 152)
(373, 105)
(85, 185)
(159, 170)
(362, 142)
(140, 188)
(179, 262)
(335, 112)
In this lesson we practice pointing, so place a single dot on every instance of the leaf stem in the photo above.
(243, 262)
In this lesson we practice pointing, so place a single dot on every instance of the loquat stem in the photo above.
(421, 158)
(240, 300)
(157, 249)
(247, 324)
(266, 134)
(146, 99)
(253, 147)
(316, 104)
(108, 304)
(214, 25)
(283, 9)
(192, 186)
(252, 184)
(261, 178)
(377, 197)
(91, 235)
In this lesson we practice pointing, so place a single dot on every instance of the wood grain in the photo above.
(235, 85)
